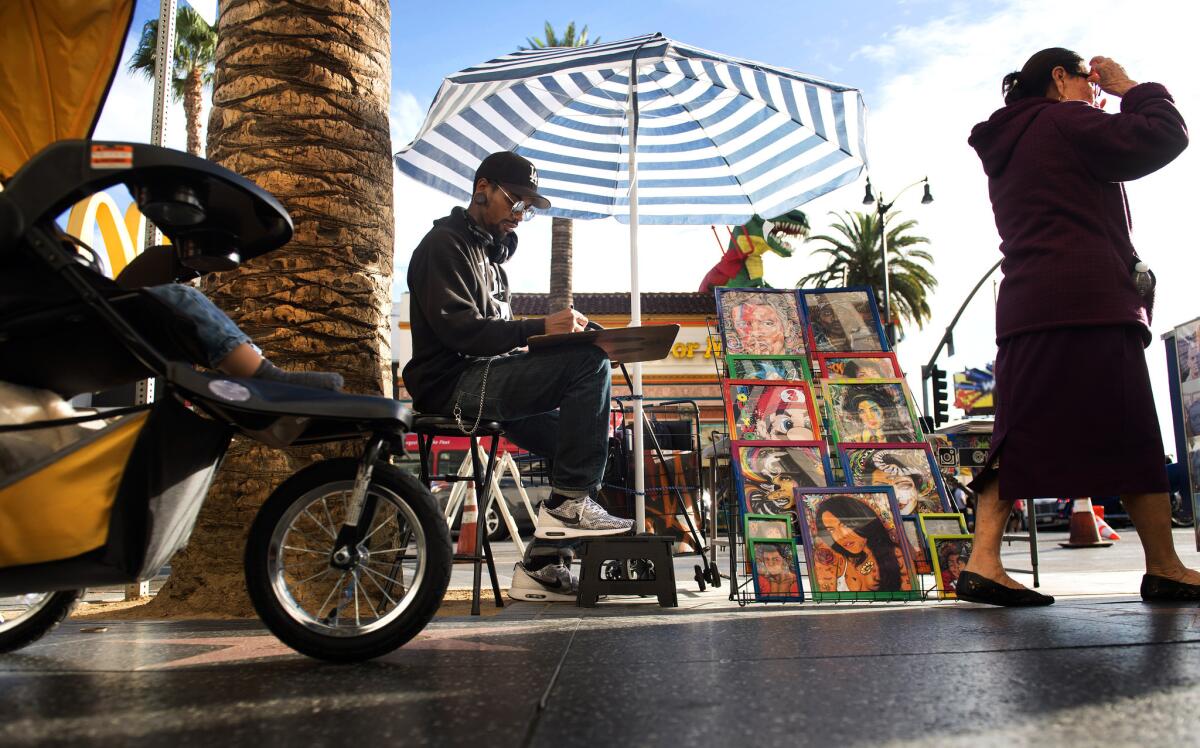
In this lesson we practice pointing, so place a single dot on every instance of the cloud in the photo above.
(877, 52)
(405, 116)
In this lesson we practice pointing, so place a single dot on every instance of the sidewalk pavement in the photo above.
(1099, 666)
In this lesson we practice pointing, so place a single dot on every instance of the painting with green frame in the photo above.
(758, 527)
(775, 570)
(767, 526)
(868, 521)
(745, 366)
(949, 554)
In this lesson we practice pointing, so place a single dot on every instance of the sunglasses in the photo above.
(519, 207)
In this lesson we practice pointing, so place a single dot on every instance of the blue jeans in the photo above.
(553, 403)
(216, 334)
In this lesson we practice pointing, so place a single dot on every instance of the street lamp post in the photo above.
(882, 209)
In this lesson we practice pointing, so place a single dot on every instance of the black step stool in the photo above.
(653, 548)
(427, 428)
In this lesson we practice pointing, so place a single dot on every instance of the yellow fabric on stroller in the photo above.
(62, 508)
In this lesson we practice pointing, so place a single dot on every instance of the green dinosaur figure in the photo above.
(741, 266)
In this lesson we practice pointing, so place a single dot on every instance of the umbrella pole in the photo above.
(635, 310)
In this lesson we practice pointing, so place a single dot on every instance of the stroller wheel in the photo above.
(347, 609)
(26, 618)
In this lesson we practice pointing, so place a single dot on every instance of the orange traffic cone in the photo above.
(466, 528)
(1106, 531)
(1084, 533)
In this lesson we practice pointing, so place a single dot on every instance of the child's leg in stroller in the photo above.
(228, 348)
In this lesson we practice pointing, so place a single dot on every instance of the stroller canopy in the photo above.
(57, 61)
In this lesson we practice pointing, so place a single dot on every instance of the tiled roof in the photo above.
(534, 304)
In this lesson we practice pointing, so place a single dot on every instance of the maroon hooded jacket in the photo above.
(1055, 173)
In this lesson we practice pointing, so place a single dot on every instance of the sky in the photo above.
(928, 71)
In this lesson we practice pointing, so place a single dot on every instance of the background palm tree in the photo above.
(192, 69)
(854, 260)
(300, 106)
(562, 238)
(568, 39)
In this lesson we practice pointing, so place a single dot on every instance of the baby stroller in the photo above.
(348, 559)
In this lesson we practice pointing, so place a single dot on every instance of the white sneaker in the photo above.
(552, 583)
(579, 518)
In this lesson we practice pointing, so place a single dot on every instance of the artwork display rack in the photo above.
(724, 491)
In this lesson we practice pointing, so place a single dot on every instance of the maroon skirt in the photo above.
(1075, 416)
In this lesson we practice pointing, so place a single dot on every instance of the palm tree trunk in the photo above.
(193, 88)
(561, 249)
(300, 106)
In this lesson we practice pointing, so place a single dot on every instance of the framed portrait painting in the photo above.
(910, 469)
(949, 554)
(859, 365)
(916, 545)
(942, 523)
(767, 475)
(871, 410)
(768, 527)
(788, 368)
(843, 319)
(854, 544)
(1187, 351)
(761, 322)
(775, 568)
(771, 411)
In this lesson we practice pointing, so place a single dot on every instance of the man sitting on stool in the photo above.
(467, 361)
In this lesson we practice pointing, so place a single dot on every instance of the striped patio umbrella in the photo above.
(716, 139)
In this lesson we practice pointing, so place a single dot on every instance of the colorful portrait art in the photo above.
(843, 319)
(768, 527)
(908, 468)
(760, 321)
(1191, 412)
(855, 545)
(950, 554)
(859, 366)
(768, 474)
(871, 410)
(776, 570)
(916, 545)
(1187, 351)
(942, 523)
(790, 368)
(771, 411)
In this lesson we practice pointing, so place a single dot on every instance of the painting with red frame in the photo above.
(881, 365)
(771, 411)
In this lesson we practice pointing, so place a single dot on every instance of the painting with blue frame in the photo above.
(842, 320)
(766, 474)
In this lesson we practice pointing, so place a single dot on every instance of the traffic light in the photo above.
(941, 398)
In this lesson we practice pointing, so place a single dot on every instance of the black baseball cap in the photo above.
(514, 173)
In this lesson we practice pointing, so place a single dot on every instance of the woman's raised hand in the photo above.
(1110, 76)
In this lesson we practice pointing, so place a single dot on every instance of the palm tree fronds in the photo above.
(852, 252)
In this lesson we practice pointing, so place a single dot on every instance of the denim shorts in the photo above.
(216, 334)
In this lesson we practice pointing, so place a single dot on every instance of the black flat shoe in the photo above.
(1156, 589)
(977, 589)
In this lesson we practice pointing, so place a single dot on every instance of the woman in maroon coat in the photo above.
(1075, 297)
